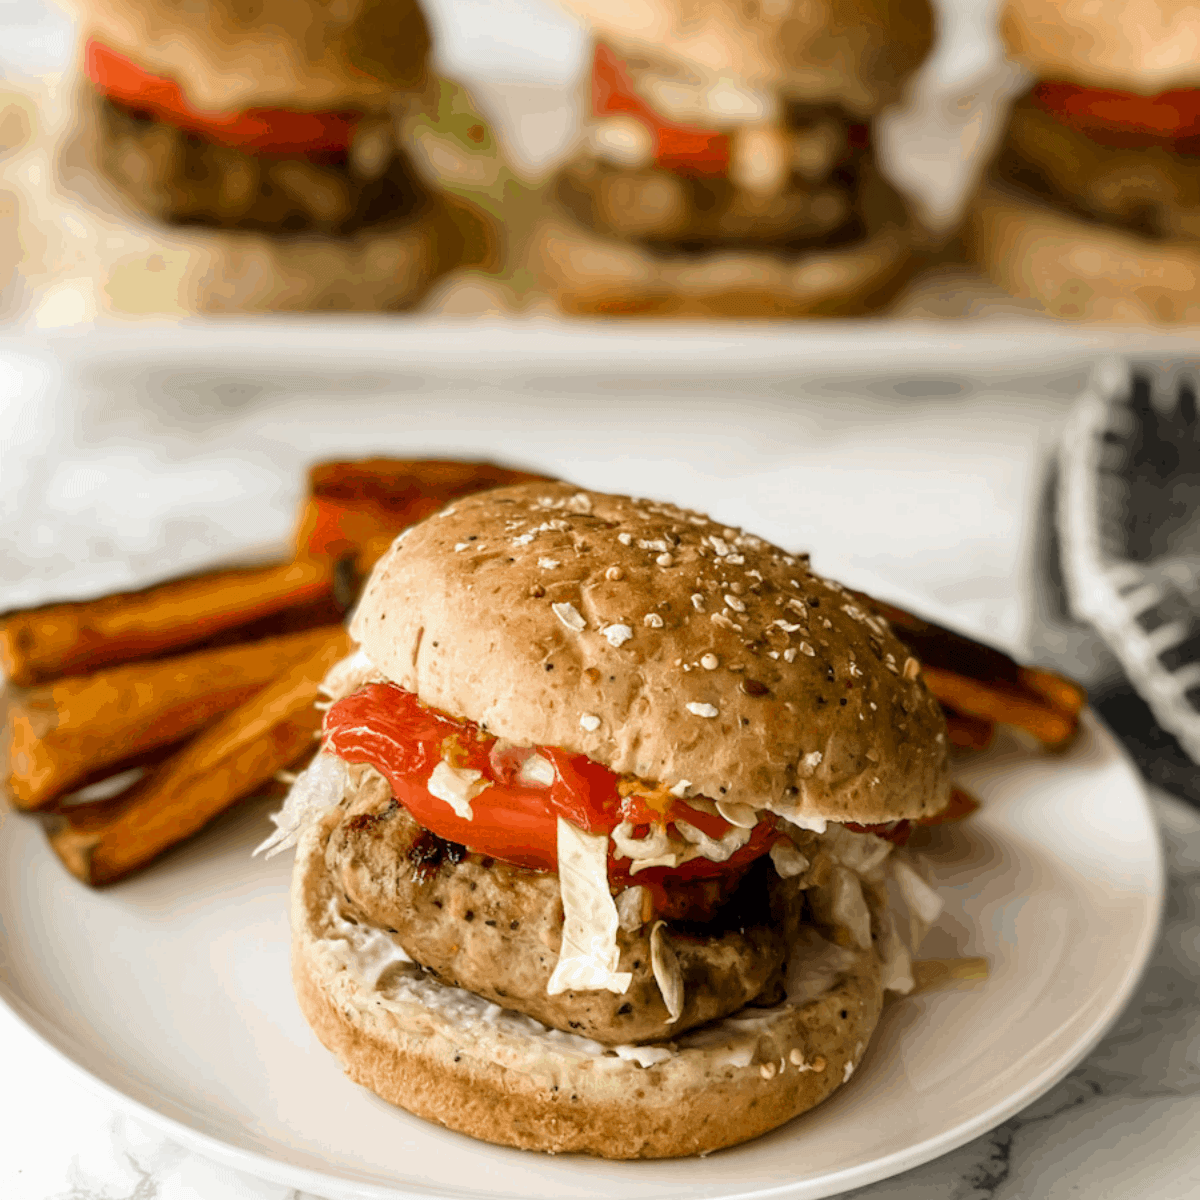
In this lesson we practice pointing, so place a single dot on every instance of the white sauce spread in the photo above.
(360, 950)
(457, 786)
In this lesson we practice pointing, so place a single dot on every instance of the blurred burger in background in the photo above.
(280, 134)
(727, 163)
(1092, 208)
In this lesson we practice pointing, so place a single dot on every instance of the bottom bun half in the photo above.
(1078, 269)
(453, 1058)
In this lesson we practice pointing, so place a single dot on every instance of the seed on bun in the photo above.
(595, 855)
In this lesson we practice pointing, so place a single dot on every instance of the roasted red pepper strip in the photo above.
(1125, 120)
(679, 148)
(387, 727)
(258, 130)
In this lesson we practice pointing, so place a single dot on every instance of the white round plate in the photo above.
(171, 994)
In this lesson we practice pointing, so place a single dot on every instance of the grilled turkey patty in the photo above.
(496, 929)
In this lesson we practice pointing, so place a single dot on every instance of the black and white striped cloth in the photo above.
(1128, 511)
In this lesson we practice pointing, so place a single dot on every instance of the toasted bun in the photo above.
(592, 275)
(301, 54)
(1145, 46)
(452, 1058)
(1080, 270)
(553, 616)
(857, 54)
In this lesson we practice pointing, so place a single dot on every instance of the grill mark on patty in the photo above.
(361, 822)
(427, 852)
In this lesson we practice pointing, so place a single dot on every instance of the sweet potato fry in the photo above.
(66, 734)
(999, 702)
(962, 805)
(74, 639)
(241, 753)
(1062, 694)
(976, 683)
(356, 509)
(969, 733)
(937, 646)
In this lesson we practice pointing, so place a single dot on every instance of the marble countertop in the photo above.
(1122, 1126)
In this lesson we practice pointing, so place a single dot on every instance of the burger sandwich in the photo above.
(1092, 208)
(603, 850)
(280, 137)
(727, 164)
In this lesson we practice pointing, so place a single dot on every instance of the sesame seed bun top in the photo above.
(854, 52)
(1145, 46)
(661, 644)
(306, 55)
